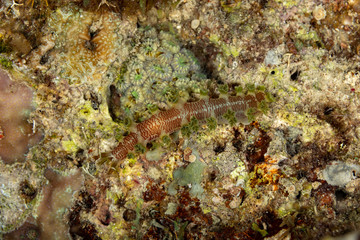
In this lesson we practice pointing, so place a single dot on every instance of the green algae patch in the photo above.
(230, 6)
(191, 175)
(97, 121)
(7, 64)
(310, 125)
(69, 146)
(288, 3)
(227, 49)
(256, 228)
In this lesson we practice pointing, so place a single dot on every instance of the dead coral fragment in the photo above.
(319, 13)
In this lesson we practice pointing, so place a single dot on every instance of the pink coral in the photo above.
(16, 133)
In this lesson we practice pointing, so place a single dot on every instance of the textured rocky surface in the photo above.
(99, 70)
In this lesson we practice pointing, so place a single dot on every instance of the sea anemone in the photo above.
(181, 63)
(160, 71)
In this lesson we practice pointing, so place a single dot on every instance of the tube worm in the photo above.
(167, 122)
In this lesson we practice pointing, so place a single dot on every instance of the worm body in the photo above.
(167, 122)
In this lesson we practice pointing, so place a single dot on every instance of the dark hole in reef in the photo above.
(328, 110)
(93, 34)
(237, 144)
(298, 196)
(300, 174)
(213, 175)
(44, 59)
(219, 148)
(219, 82)
(87, 201)
(236, 132)
(318, 44)
(27, 191)
(293, 147)
(94, 104)
(120, 202)
(340, 194)
(105, 219)
(129, 215)
(113, 100)
(79, 157)
(271, 221)
(282, 162)
(90, 45)
(272, 72)
(263, 3)
(295, 75)
(150, 146)
(78, 228)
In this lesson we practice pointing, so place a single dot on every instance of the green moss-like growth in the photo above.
(263, 106)
(223, 88)
(194, 124)
(269, 97)
(118, 134)
(135, 94)
(166, 140)
(211, 123)
(121, 74)
(230, 116)
(85, 111)
(69, 146)
(230, 6)
(250, 113)
(204, 92)
(4, 47)
(154, 145)
(139, 148)
(261, 88)
(130, 155)
(5, 63)
(250, 87)
(152, 108)
(127, 122)
(256, 228)
(239, 89)
(185, 130)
